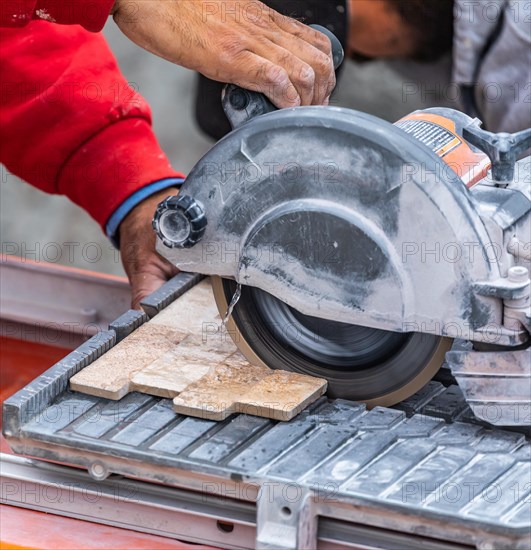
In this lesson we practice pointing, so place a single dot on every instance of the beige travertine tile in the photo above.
(110, 375)
(281, 395)
(215, 395)
(192, 313)
(182, 354)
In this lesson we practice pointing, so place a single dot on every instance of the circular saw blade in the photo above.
(375, 366)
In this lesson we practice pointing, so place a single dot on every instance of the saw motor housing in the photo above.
(347, 218)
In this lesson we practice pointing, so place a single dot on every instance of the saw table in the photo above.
(423, 474)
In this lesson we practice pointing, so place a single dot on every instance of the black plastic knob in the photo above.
(180, 222)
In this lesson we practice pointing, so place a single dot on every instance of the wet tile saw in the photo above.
(356, 250)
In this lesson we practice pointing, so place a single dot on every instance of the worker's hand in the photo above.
(237, 41)
(146, 269)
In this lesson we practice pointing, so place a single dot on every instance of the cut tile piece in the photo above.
(192, 312)
(181, 353)
(110, 375)
(213, 397)
(171, 373)
(233, 388)
(281, 395)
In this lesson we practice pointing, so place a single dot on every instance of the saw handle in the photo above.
(242, 105)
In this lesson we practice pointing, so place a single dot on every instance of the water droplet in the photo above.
(235, 298)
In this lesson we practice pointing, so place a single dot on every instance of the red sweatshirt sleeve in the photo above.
(70, 122)
(89, 14)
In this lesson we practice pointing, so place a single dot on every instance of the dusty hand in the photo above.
(238, 41)
(146, 269)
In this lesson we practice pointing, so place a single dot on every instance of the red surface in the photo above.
(37, 530)
(21, 362)
(71, 123)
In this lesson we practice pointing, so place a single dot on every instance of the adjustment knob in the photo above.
(503, 149)
(180, 222)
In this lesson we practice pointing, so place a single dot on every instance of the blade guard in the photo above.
(345, 217)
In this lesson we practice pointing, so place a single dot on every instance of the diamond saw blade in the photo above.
(378, 367)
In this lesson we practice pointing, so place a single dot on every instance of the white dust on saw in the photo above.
(173, 356)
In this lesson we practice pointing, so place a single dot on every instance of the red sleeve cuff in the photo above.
(91, 15)
(114, 164)
(16, 13)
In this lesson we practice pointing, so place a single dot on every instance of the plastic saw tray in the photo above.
(426, 467)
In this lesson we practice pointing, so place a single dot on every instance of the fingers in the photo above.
(313, 48)
(321, 65)
(146, 269)
(285, 88)
(286, 77)
(288, 70)
(154, 272)
(259, 49)
(142, 289)
(304, 32)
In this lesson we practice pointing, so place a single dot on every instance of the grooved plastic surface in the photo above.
(417, 463)
(169, 292)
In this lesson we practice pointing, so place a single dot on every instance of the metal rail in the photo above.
(126, 503)
(170, 512)
(57, 305)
